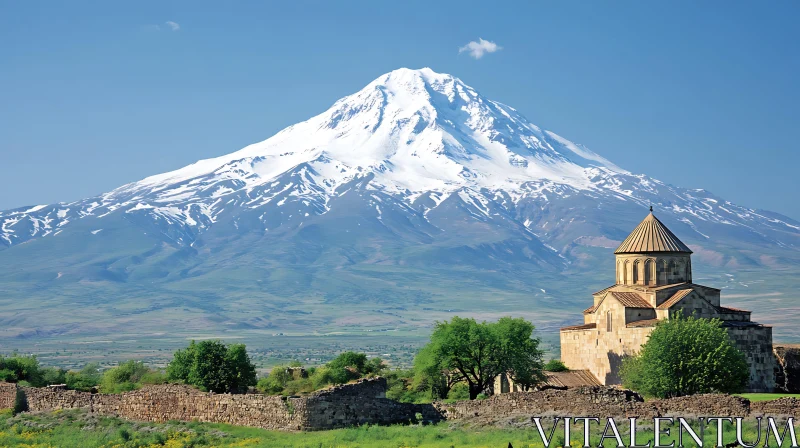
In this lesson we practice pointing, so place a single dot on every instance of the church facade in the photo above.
(653, 283)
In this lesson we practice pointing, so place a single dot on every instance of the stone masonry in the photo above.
(653, 284)
(341, 406)
(365, 403)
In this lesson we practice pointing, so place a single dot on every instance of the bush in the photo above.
(555, 365)
(213, 366)
(20, 368)
(84, 380)
(275, 382)
(685, 356)
(346, 367)
(128, 376)
(459, 391)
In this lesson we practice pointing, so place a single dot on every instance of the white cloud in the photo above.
(479, 48)
(174, 26)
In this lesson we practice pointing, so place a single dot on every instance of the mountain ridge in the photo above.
(412, 148)
(403, 203)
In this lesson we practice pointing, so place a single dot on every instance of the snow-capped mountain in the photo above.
(415, 174)
(416, 138)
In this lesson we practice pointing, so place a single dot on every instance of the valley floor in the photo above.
(76, 428)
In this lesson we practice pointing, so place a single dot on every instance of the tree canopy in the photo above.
(213, 366)
(684, 356)
(464, 350)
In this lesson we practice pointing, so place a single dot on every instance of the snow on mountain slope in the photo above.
(416, 136)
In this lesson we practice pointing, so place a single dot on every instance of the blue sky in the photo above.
(98, 94)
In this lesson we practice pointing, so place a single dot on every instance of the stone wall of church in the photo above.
(756, 343)
(600, 351)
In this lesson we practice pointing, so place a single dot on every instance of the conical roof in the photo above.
(651, 235)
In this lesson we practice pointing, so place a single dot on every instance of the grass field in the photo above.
(76, 428)
(766, 397)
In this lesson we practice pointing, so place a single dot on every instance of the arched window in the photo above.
(625, 273)
(648, 272)
(688, 275)
(636, 272)
(672, 271)
(619, 272)
(608, 321)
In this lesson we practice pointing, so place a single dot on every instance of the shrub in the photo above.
(20, 368)
(555, 365)
(53, 375)
(125, 377)
(84, 380)
(275, 381)
(213, 366)
(459, 391)
(685, 356)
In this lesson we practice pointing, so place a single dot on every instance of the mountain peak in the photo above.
(416, 130)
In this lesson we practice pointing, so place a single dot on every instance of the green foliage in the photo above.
(346, 367)
(53, 375)
(464, 350)
(241, 371)
(79, 429)
(555, 365)
(84, 380)
(459, 391)
(275, 382)
(401, 387)
(213, 366)
(128, 376)
(17, 368)
(685, 356)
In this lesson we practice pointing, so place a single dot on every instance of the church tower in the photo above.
(654, 283)
(653, 256)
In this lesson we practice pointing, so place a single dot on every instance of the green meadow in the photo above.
(76, 428)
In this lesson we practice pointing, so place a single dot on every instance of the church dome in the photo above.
(651, 235)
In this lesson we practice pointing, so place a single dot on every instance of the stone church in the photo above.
(653, 282)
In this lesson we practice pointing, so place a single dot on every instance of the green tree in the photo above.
(430, 375)
(684, 356)
(476, 353)
(555, 365)
(20, 368)
(213, 366)
(241, 370)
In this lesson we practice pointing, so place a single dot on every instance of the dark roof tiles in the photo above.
(631, 299)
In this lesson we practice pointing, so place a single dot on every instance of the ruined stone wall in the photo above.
(176, 402)
(341, 406)
(51, 399)
(8, 392)
(345, 406)
(610, 402)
